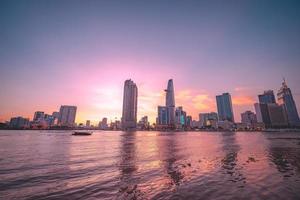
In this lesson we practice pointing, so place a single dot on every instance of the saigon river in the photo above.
(149, 165)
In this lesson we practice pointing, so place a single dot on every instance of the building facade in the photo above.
(162, 115)
(277, 115)
(19, 122)
(88, 123)
(271, 114)
(285, 98)
(224, 105)
(103, 124)
(38, 116)
(189, 122)
(166, 114)
(267, 97)
(180, 118)
(129, 113)
(67, 115)
(170, 103)
(208, 119)
(143, 124)
(248, 118)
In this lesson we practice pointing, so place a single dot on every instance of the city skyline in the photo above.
(50, 57)
(130, 106)
(150, 99)
(236, 103)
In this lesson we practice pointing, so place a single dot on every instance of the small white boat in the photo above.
(82, 133)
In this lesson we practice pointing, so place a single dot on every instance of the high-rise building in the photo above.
(262, 114)
(267, 97)
(180, 117)
(166, 114)
(67, 115)
(38, 116)
(129, 114)
(248, 117)
(189, 121)
(170, 103)
(277, 115)
(224, 105)
(271, 114)
(162, 115)
(285, 98)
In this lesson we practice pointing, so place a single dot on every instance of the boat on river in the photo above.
(82, 133)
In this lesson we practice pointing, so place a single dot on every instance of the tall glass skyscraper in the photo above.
(285, 98)
(129, 113)
(224, 105)
(267, 97)
(166, 114)
(162, 118)
(170, 103)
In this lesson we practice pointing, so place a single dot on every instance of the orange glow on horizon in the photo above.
(107, 102)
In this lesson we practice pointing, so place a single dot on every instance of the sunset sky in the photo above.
(80, 53)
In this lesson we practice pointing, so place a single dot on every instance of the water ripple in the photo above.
(149, 165)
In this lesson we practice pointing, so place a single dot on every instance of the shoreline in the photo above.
(75, 129)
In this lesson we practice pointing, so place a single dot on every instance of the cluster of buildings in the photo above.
(269, 114)
(63, 119)
(169, 116)
(280, 114)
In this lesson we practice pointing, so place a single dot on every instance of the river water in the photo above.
(149, 165)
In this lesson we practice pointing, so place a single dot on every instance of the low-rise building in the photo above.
(19, 123)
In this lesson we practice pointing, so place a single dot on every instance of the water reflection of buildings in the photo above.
(169, 156)
(229, 162)
(127, 166)
(285, 154)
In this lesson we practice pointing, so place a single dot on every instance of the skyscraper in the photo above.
(170, 103)
(180, 117)
(67, 115)
(162, 115)
(262, 113)
(189, 121)
(277, 115)
(267, 97)
(224, 105)
(129, 114)
(271, 114)
(285, 98)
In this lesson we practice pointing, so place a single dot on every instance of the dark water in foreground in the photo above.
(149, 165)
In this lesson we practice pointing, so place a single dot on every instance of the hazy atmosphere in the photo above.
(66, 52)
